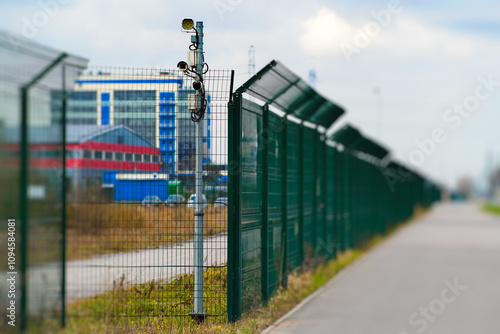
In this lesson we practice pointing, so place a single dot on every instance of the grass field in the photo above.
(492, 208)
(164, 305)
(106, 313)
(94, 229)
(118, 311)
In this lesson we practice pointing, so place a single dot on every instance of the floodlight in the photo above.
(187, 24)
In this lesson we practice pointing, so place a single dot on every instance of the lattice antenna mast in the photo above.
(251, 61)
(312, 77)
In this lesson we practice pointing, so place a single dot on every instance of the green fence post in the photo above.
(265, 207)
(63, 193)
(234, 209)
(315, 254)
(23, 191)
(301, 194)
(23, 210)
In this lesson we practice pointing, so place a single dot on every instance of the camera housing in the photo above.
(183, 66)
(197, 85)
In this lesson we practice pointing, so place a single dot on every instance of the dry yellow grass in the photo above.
(94, 229)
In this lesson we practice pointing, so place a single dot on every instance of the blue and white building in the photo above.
(154, 105)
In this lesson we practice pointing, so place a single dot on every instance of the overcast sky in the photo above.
(431, 61)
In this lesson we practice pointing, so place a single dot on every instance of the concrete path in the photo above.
(439, 275)
(87, 278)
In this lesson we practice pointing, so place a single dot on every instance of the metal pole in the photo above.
(380, 112)
(234, 209)
(198, 313)
(23, 211)
(63, 199)
(23, 191)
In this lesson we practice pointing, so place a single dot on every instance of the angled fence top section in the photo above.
(352, 139)
(19, 52)
(276, 85)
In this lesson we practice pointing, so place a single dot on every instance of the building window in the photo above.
(129, 157)
(83, 96)
(83, 109)
(105, 97)
(108, 155)
(118, 156)
(167, 97)
(87, 154)
(74, 154)
(138, 157)
(98, 155)
(135, 95)
(156, 159)
(82, 121)
(147, 158)
(135, 109)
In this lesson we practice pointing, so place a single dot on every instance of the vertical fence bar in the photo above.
(23, 209)
(63, 194)
(234, 203)
(23, 191)
(316, 253)
(265, 206)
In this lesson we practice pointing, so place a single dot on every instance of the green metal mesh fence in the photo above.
(131, 202)
(298, 194)
(32, 179)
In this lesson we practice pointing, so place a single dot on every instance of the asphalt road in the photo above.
(440, 274)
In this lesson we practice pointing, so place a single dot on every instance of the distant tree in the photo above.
(495, 179)
(465, 186)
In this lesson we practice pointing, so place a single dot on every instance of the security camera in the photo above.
(183, 66)
(197, 85)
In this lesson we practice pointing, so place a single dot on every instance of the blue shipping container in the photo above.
(137, 190)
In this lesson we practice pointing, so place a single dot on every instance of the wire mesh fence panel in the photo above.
(32, 79)
(331, 234)
(309, 194)
(299, 192)
(252, 153)
(321, 249)
(293, 196)
(276, 249)
(131, 194)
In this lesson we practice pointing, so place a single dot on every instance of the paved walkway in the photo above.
(439, 275)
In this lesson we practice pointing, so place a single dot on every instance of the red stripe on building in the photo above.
(115, 165)
(97, 146)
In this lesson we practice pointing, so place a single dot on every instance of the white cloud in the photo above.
(410, 38)
(324, 32)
